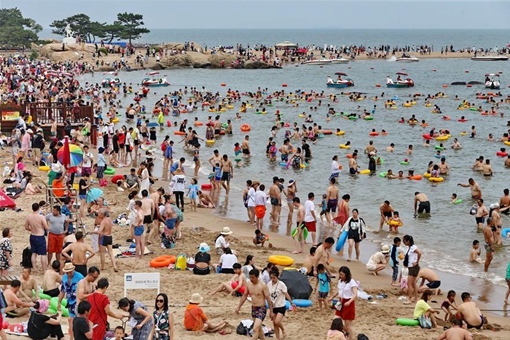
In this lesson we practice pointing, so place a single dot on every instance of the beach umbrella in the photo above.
(93, 194)
(70, 155)
(286, 43)
(302, 50)
(297, 284)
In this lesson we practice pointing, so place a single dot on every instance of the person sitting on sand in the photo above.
(336, 331)
(195, 319)
(202, 260)
(227, 262)
(379, 260)
(261, 238)
(469, 312)
(204, 200)
(423, 308)
(15, 307)
(456, 332)
(449, 302)
(238, 280)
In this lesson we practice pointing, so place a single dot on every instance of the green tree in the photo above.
(132, 26)
(112, 32)
(15, 30)
(81, 25)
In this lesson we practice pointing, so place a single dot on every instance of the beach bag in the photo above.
(26, 258)
(241, 330)
(180, 263)
(362, 337)
(473, 209)
(425, 322)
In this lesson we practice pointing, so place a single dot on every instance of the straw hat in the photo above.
(226, 231)
(68, 267)
(196, 298)
(204, 247)
(385, 249)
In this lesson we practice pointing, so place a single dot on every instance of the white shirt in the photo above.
(178, 183)
(221, 242)
(309, 207)
(265, 277)
(260, 198)
(227, 261)
(251, 197)
(334, 167)
(413, 257)
(87, 159)
(277, 293)
(345, 289)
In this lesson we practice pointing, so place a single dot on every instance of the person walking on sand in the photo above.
(299, 239)
(139, 230)
(106, 240)
(310, 218)
(227, 173)
(331, 200)
(260, 296)
(355, 227)
(412, 262)
(347, 293)
(275, 199)
(488, 234)
(278, 293)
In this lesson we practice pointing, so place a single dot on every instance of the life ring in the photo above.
(115, 120)
(327, 132)
(462, 120)
(234, 285)
(304, 165)
(506, 142)
(245, 128)
(179, 133)
(281, 260)
(505, 232)
(162, 261)
(109, 171)
(353, 117)
(407, 105)
(442, 138)
(395, 223)
(383, 174)
(341, 240)
(407, 322)
(436, 179)
(302, 303)
(206, 186)
(427, 136)
(368, 118)
(44, 168)
(199, 123)
(458, 201)
(373, 133)
(349, 155)
(416, 177)
(364, 172)
(404, 163)
(343, 146)
(427, 175)
(463, 133)
(439, 147)
(294, 233)
(210, 142)
(340, 133)
(283, 164)
(502, 154)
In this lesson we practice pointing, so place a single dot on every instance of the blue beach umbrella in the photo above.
(94, 194)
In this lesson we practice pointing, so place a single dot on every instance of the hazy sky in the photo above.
(400, 14)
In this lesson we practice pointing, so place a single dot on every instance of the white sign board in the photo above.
(141, 281)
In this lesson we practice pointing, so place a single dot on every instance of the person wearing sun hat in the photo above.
(195, 319)
(221, 242)
(68, 290)
(379, 260)
(202, 260)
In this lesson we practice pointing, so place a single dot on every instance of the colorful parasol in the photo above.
(70, 155)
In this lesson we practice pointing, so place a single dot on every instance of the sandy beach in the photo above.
(375, 318)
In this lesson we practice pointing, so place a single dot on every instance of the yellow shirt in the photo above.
(421, 308)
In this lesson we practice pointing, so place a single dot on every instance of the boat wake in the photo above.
(393, 59)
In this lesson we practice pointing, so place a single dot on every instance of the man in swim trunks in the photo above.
(323, 255)
(147, 208)
(246, 146)
(421, 203)
(216, 158)
(79, 250)
(310, 218)
(300, 225)
(36, 224)
(259, 294)
(481, 212)
(331, 200)
(353, 164)
(488, 234)
(386, 211)
(106, 240)
(52, 280)
(139, 230)
(275, 199)
(227, 173)
(476, 191)
(469, 312)
(15, 307)
(504, 202)
(433, 281)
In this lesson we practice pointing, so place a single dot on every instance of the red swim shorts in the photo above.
(311, 226)
(260, 211)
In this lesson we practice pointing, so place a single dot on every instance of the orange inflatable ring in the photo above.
(327, 132)
(206, 186)
(373, 134)
(245, 128)
(162, 261)
(180, 133)
(349, 155)
(416, 177)
(199, 123)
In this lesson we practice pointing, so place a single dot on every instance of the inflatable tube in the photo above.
(395, 223)
(302, 303)
(427, 175)
(44, 168)
(349, 155)
(368, 118)
(343, 146)
(404, 163)
(283, 164)
(294, 233)
(502, 154)
(65, 311)
(473, 109)
(162, 261)
(206, 186)
(234, 285)
(438, 147)
(507, 143)
(152, 124)
(109, 171)
(427, 136)
(199, 123)
(304, 165)
(340, 133)
(407, 322)
(116, 120)
(245, 128)
(179, 133)
(210, 142)
(353, 118)
(281, 260)
(238, 159)
(383, 174)
(117, 178)
(373, 134)
(505, 232)
(436, 179)
(442, 138)
(341, 241)
(327, 132)
(462, 120)
(458, 201)
(364, 172)
(380, 161)
(416, 177)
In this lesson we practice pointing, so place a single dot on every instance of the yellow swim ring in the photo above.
(436, 179)
(281, 260)
(343, 146)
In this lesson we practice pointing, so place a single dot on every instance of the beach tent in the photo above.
(297, 284)
(287, 44)
(6, 201)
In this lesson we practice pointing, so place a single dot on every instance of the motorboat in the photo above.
(407, 82)
(492, 81)
(155, 81)
(110, 82)
(407, 58)
(490, 58)
(339, 60)
(340, 83)
(317, 62)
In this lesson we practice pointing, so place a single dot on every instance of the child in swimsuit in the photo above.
(324, 207)
(449, 302)
(395, 222)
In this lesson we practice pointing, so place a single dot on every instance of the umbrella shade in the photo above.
(302, 50)
(297, 284)
(402, 73)
(341, 73)
(93, 194)
(73, 156)
(286, 44)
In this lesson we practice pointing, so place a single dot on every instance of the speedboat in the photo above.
(490, 58)
(339, 61)
(408, 82)
(406, 58)
(110, 82)
(317, 62)
(155, 82)
(340, 83)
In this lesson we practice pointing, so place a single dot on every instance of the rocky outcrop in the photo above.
(256, 65)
